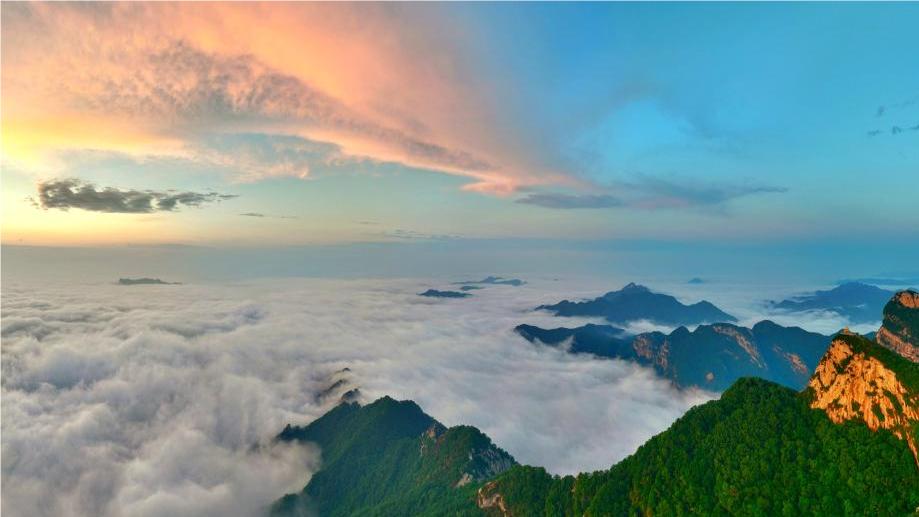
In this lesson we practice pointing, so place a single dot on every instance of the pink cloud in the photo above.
(380, 82)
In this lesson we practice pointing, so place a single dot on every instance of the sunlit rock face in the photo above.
(491, 501)
(851, 383)
(900, 330)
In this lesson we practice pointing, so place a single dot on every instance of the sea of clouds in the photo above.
(162, 400)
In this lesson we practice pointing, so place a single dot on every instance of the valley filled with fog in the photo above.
(164, 399)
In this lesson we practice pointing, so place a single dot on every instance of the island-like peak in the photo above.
(858, 302)
(632, 286)
(637, 302)
(390, 458)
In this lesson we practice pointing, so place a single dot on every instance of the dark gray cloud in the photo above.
(64, 194)
(568, 201)
(651, 193)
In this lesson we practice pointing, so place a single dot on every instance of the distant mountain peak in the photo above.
(857, 301)
(434, 293)
(494, 280)
(637, 302)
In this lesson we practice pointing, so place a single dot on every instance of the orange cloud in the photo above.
(382, 82)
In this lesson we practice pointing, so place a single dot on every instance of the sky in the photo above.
(380, 150)
(272, 125)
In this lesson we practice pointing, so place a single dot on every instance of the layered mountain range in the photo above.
(711, 356)
(637, 302)
(856, 301)
(845, 445)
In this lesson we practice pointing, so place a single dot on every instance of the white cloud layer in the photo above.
(159, 400)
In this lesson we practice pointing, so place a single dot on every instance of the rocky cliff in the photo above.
(858, 380)
(900, 330)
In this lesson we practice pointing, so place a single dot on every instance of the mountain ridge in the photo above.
(844, 445)
(386, 458)
(711, 356)
(857, 301)
(637, 302)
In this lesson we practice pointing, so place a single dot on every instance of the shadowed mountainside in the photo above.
(637, 302)
(390, 458)
(845, 445)
(858, 302)
(711, 357)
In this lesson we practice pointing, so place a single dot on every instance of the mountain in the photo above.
(860, 303)
(843, 446)
(711, 357)
(340, 387)
(900, 280)
(434, 293)
(390, 458)
(759, 450)
(599, 340)
(145, 281)
(859, 380)
(494, 280)
(900, 328)
(636, 302)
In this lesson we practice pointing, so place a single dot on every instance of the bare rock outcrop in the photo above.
(490, 500)
(900, 329)
(850, 384)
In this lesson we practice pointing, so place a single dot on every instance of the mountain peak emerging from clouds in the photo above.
(494, 280)
(637, 302)
(434, 293)
(711, 357)
(389, 457)
(634, 288)
(857, 301)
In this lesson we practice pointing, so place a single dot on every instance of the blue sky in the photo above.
(736, 122)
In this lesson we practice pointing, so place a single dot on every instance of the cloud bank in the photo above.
(313, 84)
(652, 193)
(569, 201)
(74, 193)
(155, 401)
